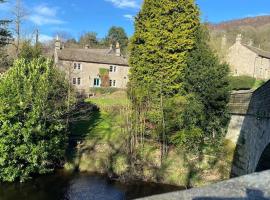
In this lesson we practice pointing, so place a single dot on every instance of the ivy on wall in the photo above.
(104, 76)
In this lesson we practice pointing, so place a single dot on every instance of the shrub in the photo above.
(242, 82)
(32, 129)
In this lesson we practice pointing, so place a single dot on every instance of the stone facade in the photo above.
(248, 60)
(83, 66)
(249, 129)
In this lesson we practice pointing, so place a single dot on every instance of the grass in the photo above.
(245, 83)
(103, 148)
(118, 98)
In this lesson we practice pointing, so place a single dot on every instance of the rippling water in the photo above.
(62, 186)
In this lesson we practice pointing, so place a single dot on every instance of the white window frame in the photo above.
(99, 82)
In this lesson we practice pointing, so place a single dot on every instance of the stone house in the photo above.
(248, 60)
(84, 67)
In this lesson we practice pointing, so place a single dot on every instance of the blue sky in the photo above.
(77, 16)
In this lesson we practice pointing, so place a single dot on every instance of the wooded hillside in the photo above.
(253, 29)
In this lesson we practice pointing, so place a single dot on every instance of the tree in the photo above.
(89, 39)
(208, 79)
(19, 13)
(117, 34)
(5, 38)
(29, 52)
(32, 126)
(165, 33)
(71, 43)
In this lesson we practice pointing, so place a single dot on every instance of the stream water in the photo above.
(79, 186)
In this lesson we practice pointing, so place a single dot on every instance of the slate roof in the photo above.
(103, 56)
(260, 52)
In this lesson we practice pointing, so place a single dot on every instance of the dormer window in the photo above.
(75, 65)
(79, 66)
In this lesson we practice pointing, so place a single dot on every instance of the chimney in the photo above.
(251, 43)
(224, 41)
(117, 49)
(239, 39)
(57, 43)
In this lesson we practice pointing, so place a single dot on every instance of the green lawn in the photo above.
(104, 124)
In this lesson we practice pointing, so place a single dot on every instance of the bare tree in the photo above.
(19, 13)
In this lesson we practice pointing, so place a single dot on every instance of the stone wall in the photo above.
(243, 61)
(249, 128)
(90, 71)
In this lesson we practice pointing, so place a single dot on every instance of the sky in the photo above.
(74, 17)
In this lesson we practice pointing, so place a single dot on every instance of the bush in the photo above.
(242, 82)
(32, 129)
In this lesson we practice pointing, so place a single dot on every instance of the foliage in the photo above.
(242, 82)
(5, 37)
(208, 80)
(258, 83)
(90, 39)
(5, 60)
(29, 52)
(164, 34)
(117, 34)
(257, 33)
(5, 34)
(32, 129)
(104, 76)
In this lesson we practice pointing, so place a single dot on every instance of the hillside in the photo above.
(249, 21)
(254, 30)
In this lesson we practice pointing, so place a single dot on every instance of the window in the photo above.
(96, 82)
(112, 68)
(77, 66)
(74, 81)
(112, 83)
(79, 81)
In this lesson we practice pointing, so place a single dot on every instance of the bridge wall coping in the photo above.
(253, 186)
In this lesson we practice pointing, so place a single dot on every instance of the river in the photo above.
(79, 186)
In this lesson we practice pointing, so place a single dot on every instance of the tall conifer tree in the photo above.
(164, 34)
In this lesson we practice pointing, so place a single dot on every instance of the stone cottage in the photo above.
(248, 60)
(84, 67)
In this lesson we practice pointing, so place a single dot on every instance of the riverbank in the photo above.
(83, 186)
(101, 140)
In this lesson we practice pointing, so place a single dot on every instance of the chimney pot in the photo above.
(239, 38)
